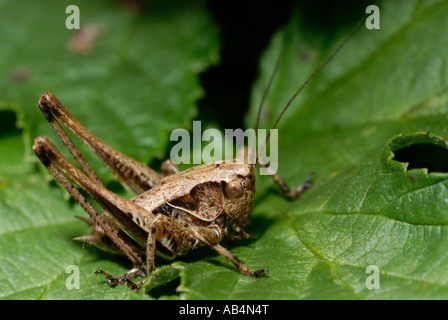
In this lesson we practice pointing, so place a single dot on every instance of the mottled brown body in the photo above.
(171, 213)
(197, 198)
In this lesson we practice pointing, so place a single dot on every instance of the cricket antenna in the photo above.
(271, 79)
(323, 64)
(268, 87)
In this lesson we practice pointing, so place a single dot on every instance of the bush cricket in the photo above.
(172, 212)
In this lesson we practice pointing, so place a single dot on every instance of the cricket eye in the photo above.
(234, 189)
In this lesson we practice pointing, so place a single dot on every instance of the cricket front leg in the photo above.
(194, 236)
(231, 257)
(238, 263)
(287, 192)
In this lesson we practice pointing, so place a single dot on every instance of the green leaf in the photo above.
(385, 90)
(135, 85)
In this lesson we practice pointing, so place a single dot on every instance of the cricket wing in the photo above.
(196, 191)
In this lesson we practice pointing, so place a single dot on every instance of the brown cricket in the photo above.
(172, 212)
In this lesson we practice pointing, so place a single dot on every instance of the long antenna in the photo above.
(323, 64)
(268, 87)
(271, 79)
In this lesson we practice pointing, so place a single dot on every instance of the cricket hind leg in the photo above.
(99, 238)
(131, 173)
(122, 209)
(127, 278)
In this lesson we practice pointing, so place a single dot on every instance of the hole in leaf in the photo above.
(425, 155)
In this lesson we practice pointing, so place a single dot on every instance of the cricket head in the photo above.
(238, 189)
